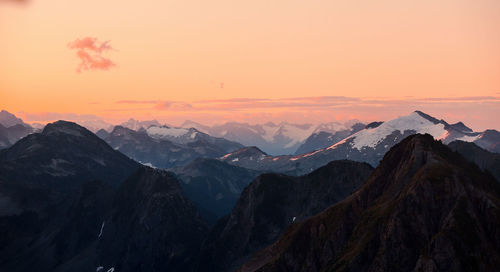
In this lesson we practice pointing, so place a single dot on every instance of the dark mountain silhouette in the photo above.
(270, 204)
(425, 208)
(70, 202)
(148, 226)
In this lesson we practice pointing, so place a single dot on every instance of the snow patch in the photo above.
(102, 228)
(467, 138)
(148, 164)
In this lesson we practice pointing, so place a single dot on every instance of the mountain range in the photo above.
(270, 204)
(367, 145)
(425, 208)
(71, 202)
(297, 139)
(165, 147)
(275, 139)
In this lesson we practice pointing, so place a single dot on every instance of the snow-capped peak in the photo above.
(413, 122)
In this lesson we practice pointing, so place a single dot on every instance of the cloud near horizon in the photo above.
(305, 103)
(89, 51)
(318, 109)
(478, 112)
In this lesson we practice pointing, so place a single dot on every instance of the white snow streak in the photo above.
(102, 228)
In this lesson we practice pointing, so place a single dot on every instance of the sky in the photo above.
(251, 61)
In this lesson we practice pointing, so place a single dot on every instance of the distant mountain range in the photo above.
(276, 139)
(288, 138)
(12, 129)
(137, 125)
(165, 147)
(321, 139)
(314, 145)
(367, 145)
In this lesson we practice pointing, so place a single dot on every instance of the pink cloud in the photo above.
(324, 109)
(89, 51)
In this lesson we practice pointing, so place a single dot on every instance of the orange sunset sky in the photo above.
(252, 61)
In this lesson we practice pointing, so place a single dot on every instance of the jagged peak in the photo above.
(374, 124)
(428, 117)
(461, 127)
(246, 152)
(414, 143)
(121, 129)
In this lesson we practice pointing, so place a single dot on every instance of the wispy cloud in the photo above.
(171, 105)
(89, 50)
(52, 116)
(137, 102)
(320, 109)
(478, 112)
(306, 103)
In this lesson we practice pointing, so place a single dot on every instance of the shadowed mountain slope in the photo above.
(425, 208)
(270, 204)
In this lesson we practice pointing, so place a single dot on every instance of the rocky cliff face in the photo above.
(425, 208)
(270, 204)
